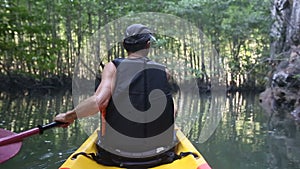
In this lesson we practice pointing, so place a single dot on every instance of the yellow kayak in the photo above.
(188, 162)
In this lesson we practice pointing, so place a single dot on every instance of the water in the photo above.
(47, 151)
(241, 140)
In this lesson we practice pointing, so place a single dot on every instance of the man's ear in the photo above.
(148, 45)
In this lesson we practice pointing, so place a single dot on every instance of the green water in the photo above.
(241, 140)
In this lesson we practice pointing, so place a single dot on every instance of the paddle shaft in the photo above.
(20, 136)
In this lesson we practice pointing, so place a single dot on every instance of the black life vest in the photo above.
(146, 140)
(140, 114)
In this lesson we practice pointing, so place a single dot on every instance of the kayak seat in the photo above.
(108, 159)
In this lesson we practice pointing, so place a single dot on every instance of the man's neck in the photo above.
(138, 54)
(134, 55)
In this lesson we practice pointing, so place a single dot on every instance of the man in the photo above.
(135, 102)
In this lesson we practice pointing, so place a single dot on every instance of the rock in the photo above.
(296, 113)
(266, 100)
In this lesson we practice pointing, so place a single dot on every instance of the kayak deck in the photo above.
(188, 162)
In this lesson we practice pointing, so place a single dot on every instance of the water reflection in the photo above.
(19, 113)
(240, 140)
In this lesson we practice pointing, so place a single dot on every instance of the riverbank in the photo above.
(22, 84)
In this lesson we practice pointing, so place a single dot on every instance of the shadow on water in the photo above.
(240, 140)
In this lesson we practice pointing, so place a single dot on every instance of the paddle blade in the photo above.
(10, 150)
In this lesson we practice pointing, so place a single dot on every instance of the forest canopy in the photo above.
(42, 38)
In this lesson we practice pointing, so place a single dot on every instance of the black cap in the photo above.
(136, 29)
(137, 33)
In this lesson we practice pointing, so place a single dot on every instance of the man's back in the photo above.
(139, 116)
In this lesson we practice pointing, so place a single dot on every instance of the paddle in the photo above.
(10, 142)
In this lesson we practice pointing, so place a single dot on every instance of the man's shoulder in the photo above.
(157, 63)
(117, 61)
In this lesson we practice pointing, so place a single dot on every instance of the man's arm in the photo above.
(93, 104)
(107, 85)
(169, 80)
(168, 74)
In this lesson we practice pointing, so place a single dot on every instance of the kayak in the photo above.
(184, 145)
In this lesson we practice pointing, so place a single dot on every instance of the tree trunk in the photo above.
(293, 28)
(281, 13)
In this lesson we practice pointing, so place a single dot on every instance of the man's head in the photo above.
(137, 37)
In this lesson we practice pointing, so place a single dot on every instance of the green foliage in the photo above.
(43, 37)
(238, 29)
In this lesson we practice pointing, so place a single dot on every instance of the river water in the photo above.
(241, 139)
